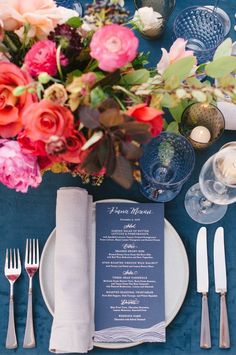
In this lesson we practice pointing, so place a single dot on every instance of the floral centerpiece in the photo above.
(75, 95)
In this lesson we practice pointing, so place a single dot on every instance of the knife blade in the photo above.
(221, 286)
(202, 261)
(219, 261)
(203, 286)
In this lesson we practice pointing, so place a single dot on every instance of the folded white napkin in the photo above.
(73, 323)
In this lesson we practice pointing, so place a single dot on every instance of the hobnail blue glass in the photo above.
(166, 164)
(202, 28)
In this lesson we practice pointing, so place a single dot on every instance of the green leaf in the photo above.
(224, 49)
(221, 67)
(74, 22)
(194, 82)
(177, 111)
(173, 127)
(97, 96)
(181, 68)
(169, 101)
(137, 77)
(199, 95)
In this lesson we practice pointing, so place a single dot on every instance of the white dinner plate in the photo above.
(176, 274)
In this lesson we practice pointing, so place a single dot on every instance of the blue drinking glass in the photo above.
(202, 29)
(166, 164)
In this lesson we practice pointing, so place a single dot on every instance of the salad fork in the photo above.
(31, 267)
(12, 271)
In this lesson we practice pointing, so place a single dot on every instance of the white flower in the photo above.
(66, 14)
(89, 23)
(146, 19)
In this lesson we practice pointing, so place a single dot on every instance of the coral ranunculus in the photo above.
(113, 46)
(45, 119)
(146, 114)
(11, 107)
(17, 170)
(41, 58)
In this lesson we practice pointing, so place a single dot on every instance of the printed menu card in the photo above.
(129, 288)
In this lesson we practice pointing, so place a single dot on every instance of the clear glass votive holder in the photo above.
(164, 8)
(202, 29)
(202, 115)
(166, 164)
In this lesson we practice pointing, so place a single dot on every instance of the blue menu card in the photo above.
(129, 287)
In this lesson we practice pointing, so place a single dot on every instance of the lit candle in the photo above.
(200, 134)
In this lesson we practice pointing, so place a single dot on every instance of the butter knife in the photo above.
(221, 286)
(203, 286)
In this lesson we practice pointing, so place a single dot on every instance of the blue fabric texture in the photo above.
(33, 215)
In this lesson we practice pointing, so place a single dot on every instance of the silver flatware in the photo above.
(221, 286)
(31, 267)
(12, 272)
(203, 286)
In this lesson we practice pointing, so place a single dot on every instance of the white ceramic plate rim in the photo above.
(178, 304)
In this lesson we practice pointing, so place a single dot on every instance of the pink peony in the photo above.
(113, 46)
(177, 51)
(42, 58)
(17, 170)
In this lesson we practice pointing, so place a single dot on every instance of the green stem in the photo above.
(120, 103)
(10, 43)
(58, 59)
(128, 93)
(93, 64)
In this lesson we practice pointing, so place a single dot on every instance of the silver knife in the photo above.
(203, 286)
(221, 286)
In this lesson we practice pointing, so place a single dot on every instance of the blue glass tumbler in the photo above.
(202, 29)
(166, 164)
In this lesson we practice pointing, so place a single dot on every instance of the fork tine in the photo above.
(18, 259)
(11, 258)
(37, 260)
(6, 260)
(30, 251)
(27, 251)
(14, 260)
(34, 261)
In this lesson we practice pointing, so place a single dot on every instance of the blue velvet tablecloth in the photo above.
(33, 215)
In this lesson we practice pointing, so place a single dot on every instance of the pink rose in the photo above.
(42, 15)
(113, 46)
(177, 51)
(11, 107)
(42, 58)
(17, 170)
(45, 119)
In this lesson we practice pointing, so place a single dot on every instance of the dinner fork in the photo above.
(12, 271)
(31, 267)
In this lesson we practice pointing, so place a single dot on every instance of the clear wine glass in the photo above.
(206, 202)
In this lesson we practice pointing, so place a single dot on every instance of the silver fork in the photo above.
(12, 272)
(31, 267)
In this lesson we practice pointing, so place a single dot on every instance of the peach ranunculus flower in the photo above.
(11, 107)
(177, 51)
(41, 15)
(44, 119)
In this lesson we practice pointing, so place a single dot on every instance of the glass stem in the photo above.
(205, 205)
